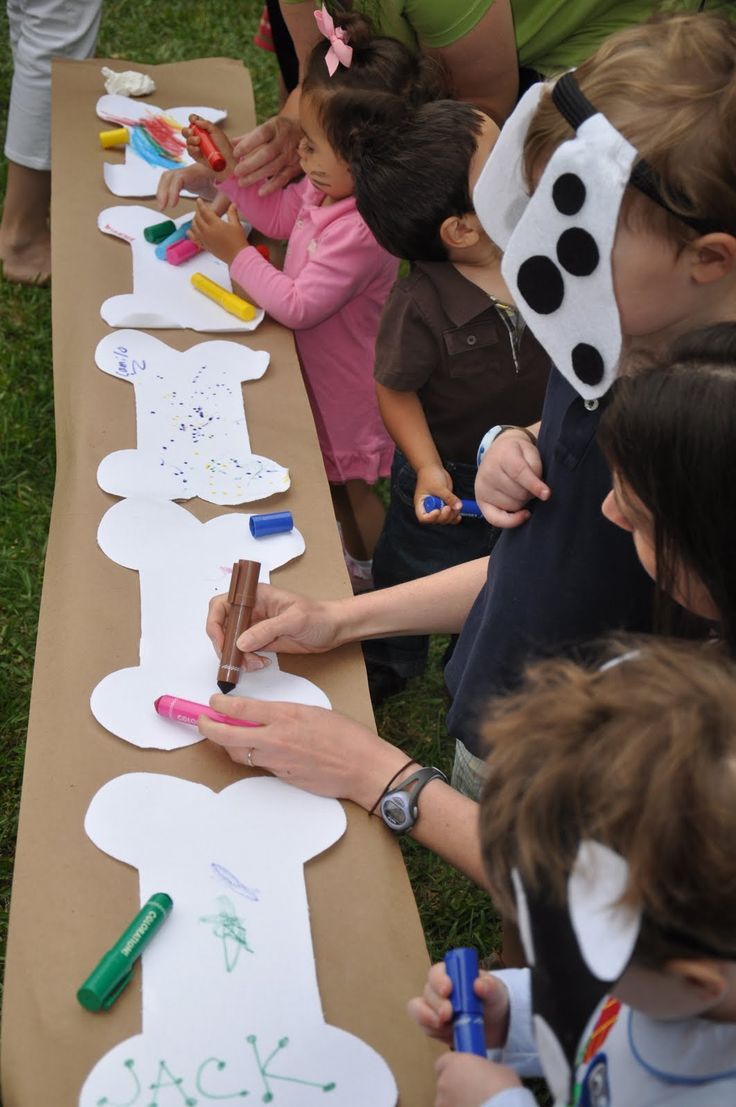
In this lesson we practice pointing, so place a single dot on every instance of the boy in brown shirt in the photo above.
(452, 355)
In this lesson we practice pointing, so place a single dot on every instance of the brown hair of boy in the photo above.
(669, 86)
(639, 756)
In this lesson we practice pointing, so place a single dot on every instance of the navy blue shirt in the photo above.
(563, 578)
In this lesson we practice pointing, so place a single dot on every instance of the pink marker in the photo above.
(182, 251)
(186, 711)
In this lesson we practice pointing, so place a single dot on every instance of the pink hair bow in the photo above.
(339, 52)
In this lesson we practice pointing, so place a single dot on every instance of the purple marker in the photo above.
(469, 507)
(468, 1030)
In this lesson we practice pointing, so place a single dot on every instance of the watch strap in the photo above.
(407, 796)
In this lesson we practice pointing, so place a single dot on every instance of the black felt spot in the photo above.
(541, 284)
(587, 364)
(568, 194)
(577, 252)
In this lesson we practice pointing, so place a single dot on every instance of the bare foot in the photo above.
(29, 263)
(25, 243)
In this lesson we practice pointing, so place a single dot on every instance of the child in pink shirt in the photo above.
(336, 277)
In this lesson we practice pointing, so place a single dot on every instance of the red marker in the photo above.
(208, 148)
(186, 711)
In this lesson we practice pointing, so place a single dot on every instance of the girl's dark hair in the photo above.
(410, 166)
(379, 64)
(670, 436)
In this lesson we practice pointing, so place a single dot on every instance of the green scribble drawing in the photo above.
(228, 926)
(220, 1065)
(265, 1075)
(105, 1102)
(172, 1082)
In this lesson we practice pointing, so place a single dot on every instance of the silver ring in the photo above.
(251, 751)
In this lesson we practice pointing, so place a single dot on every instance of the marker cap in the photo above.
(275, 522)
(157, 232)
(117, 137)
(181, 251)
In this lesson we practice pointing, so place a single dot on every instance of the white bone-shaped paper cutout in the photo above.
(182, 564)
(606, 928)
(137, 176)
(230, 997)
(192, 435)
(163, 295)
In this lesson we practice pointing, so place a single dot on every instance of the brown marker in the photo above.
(242, 599)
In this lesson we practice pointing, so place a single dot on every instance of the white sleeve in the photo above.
(520, 1051)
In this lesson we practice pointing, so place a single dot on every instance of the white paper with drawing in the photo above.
(182, 564)
(156, 142)
(230, 999)
(191, 431)
(163, 294)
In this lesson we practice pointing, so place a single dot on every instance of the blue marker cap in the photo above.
(276, 522)
(468, 1029)
(468, 507)
(178, 234)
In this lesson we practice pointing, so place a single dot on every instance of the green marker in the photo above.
(105, 983)
(157, 232)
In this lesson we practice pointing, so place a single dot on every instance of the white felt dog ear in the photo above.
(606, 929)
(501, 194)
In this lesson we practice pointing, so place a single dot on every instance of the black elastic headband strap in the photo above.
(574, 106)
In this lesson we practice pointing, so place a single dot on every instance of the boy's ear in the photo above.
(715, 257)
(460, 231)
(706, 978)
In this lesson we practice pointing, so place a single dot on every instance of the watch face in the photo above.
(395, 811)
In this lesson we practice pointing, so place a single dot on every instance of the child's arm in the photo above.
(341, 267)
(405, 421)
(510, 474)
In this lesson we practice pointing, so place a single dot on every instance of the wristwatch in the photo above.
(398, 808)
(490, 437)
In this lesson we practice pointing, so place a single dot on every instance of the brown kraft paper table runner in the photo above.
(69, 899)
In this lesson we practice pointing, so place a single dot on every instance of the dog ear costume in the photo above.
(557, 243)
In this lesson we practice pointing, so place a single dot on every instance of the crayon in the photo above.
(242, 600)
(236, 305)
(468, 508)
(187, 711)
(208, 148)
(118, 137)
(157, 232)
(182, 251)
(468, 1030)
(176, 235)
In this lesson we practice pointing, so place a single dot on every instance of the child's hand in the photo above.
(192, 178)
(433, 1009)
(433, 480)
(464, 1080)
(220, 139)
(508, 477)
(224, 239)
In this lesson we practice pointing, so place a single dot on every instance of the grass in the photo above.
(453, 912)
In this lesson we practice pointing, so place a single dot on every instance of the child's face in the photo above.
(651, 280)
(325, 170)
(624, 509)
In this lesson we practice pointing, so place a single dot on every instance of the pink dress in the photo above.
(331, 294)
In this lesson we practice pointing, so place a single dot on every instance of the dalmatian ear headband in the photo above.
(575, 955)
(557, 243)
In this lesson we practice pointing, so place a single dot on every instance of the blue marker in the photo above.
(178, 234)
(469, 507)
(468, 1030)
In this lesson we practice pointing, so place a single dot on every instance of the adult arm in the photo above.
(331, 755)
(482, 64)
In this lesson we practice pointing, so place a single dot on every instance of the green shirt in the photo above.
(551, 35)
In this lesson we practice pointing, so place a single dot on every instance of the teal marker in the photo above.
(107, 980)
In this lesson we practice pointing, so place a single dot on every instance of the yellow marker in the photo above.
(118, 137)
(236, 305)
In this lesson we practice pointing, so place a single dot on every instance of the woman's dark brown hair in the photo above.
(669, 435)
